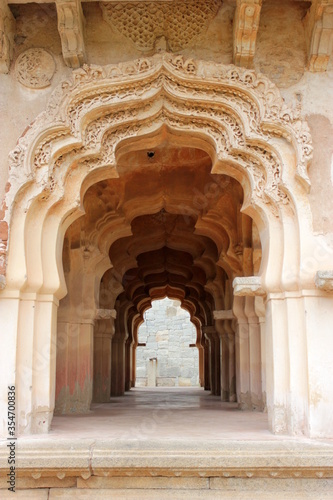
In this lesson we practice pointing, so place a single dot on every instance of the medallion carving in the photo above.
(35, 68)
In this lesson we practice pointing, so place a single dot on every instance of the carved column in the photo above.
(104, 331)
(246, 24)
(70, 26)
(7, 32)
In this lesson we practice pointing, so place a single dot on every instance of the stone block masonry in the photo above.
(167, 333)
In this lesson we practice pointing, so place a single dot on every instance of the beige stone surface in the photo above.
(42, 494)
(144, 483)
(196, 495)
(158, 168)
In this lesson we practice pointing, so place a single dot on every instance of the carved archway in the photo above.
(234, 115)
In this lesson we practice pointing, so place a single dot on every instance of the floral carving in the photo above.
(35, 68)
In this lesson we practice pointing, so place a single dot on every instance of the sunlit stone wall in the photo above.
(167, 333)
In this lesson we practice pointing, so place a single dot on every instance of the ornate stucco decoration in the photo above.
(35, 68)
(180, 22)
(238, 116)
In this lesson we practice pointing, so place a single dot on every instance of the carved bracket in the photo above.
(319, 25)
(7, 31)
(246, 24)
(70, 26)
(324, 281)
(248, 286)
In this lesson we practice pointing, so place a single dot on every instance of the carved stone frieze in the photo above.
(7, 31)
(246, 24)
(239, 112)
(35, 68)
(145, 23)
(70, 26)
(319, 24)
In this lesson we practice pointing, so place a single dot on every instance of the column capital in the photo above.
(248, 286)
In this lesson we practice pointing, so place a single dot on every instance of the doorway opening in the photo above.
(166, 355)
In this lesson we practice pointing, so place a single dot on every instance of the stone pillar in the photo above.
(201, 351)
(260, 312)
(44, 363)
(255, 354)
(242, 347)
(133, 371)
(318, 305)
(224, 366)
(128, 364)
(214, 358)
(118, 364)
(104, 331)
(74, 366)
(152, 372)
(232, 361)
(286, 364)
(207, 364)
(223, 320)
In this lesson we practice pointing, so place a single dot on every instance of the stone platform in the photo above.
(199, 447)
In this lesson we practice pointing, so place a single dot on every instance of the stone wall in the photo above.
(167, 333)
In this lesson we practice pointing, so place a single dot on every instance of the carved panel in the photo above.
(70, 26)
(35, 68)
(246, 24)
(144, 23)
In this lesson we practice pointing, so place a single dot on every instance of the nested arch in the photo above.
(238, 118)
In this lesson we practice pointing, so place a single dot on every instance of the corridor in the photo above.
(164, 413)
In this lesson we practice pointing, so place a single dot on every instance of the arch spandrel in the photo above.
(237, 113)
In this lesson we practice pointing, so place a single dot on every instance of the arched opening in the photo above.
(166, 354)
(170, 227)
(91, 227)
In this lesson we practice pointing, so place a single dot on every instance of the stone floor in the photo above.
(166, 413)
